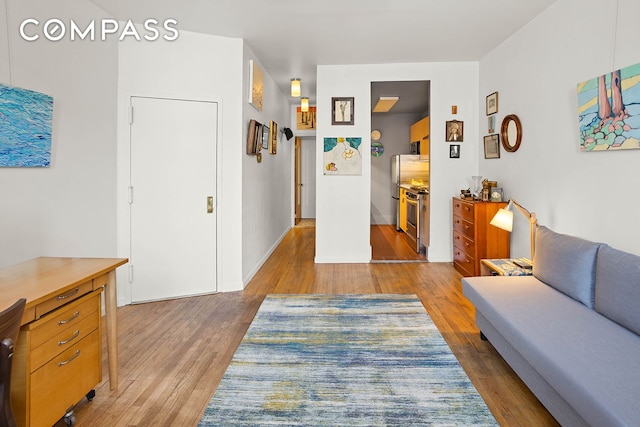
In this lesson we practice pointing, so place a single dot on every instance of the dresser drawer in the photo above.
(464, 243)
(63, 319)
(463, 209)
(463, 226)
(63, 298)
(462, 260)
(65, 380)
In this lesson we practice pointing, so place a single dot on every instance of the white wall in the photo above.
(266, 186)
(67, 209)
(591, 195)
(194, 67)
(344, 202)
(395, 129)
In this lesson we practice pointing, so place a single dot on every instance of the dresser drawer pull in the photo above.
(67, 295)
(75, 316)
(77, 353)
(467, 208)
(68, 340)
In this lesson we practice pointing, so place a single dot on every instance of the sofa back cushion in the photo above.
(566, 263)
(618, 287)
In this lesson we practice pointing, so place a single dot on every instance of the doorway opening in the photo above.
(393, 133)
(305, 181)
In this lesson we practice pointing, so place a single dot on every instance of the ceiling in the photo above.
(413, 96)
(291, 37)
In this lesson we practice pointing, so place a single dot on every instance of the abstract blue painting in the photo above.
(609, 111)
(25, 127)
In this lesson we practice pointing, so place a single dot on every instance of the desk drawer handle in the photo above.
(68, 340)
(67, 295)
(75, 316)
(77, 353)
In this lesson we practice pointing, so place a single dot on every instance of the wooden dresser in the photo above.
(473, 237)
(58, 354)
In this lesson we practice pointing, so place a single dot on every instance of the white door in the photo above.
(173, 183)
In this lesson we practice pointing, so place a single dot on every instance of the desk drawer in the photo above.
(65, 380)
(62, 298)
(463, 209)
(65, 339)
(64, 319)
(100, 281)
(464, 227)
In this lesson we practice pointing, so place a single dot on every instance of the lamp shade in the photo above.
(295, 87)
(503, 219)
(304, 104)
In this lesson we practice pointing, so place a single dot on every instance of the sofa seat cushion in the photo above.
(588, 359)
(618, 287)
(567, 263)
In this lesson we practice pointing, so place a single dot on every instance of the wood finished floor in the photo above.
(174, 353)
(387, 244)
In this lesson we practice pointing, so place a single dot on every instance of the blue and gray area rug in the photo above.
(345, 360)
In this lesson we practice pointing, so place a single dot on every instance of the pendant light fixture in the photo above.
(295, 87)
(304, 104)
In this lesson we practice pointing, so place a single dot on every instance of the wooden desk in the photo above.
(51, 283)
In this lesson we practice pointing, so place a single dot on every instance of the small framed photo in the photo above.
(491, 124)
(273, 137)
(496, 194)
(492, 103)
(492, 146)
(454, 151)
(342, 111)
(265, 137)
(454, 131)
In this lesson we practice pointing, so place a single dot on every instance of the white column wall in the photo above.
(344, 202)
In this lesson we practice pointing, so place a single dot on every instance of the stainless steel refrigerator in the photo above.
(409, 170)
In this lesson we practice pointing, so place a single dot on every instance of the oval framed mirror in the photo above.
(511, 133)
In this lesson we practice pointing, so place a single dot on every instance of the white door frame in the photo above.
(123, 178)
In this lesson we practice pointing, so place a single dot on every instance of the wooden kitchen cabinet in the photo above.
(419, 133)
(474, 238)
(403, 209)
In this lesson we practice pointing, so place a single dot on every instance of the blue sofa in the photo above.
(572, 330)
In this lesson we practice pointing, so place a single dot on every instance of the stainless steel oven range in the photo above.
(417, 205)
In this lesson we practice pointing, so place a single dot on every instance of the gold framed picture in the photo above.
(454, 131)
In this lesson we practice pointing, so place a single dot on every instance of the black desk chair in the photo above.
(9, 328)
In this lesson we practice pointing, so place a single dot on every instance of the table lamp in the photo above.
(504, 219)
